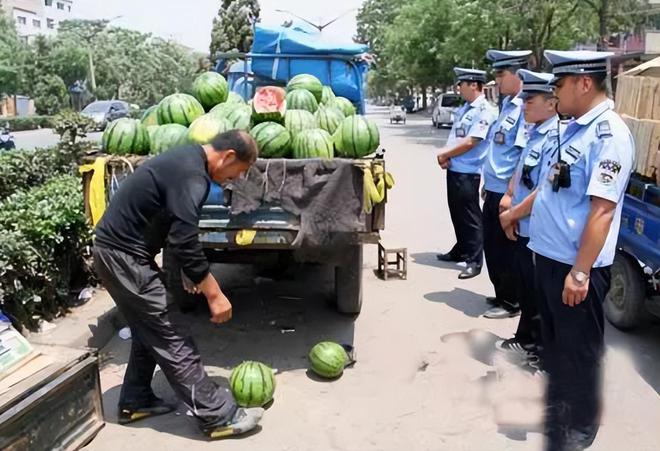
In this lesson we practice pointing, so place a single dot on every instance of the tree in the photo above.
(233, 27)
(614, 15)
(50, 94)
(10, 50)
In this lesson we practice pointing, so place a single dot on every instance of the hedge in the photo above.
(45, 237)
(17, 124)
(24, 169)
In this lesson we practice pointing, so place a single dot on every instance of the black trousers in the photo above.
(498, 250)
(463, 200)
(159, 336)
(573, 348)
(523, 266)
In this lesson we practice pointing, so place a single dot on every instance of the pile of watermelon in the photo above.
(305, 120)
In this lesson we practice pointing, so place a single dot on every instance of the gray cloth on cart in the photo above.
(326, 194)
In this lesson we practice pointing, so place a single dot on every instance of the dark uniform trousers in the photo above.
(498, 250)
(573, 348)
(463, 200)
(159, 336)
(523, 267)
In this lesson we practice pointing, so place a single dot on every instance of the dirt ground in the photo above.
(427, 376)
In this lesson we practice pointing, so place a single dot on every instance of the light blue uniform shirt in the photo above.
(600, 151)
(503, 151)
(472, 119)
(542, 139)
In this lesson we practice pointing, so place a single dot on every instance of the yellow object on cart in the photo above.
(97, 195)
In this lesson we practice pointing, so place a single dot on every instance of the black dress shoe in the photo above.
(492, 300)
(448, 257)
(469, 272)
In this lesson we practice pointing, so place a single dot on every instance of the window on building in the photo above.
(50, 23)
(60, 6)
(69, 8)
(48, 2)
(21, 20)
(36, 23)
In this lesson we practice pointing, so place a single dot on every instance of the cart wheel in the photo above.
(624, 303)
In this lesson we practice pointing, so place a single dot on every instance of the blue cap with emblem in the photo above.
(463, 74)
(577, 62)
(534, 82)
(508, 59)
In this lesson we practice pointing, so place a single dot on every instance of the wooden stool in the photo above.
(385, 266)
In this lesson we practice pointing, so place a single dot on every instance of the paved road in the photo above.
(427, 377)
(44, 138)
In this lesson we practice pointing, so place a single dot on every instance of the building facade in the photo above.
(35, 17)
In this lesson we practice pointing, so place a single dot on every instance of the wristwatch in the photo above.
(579, 276)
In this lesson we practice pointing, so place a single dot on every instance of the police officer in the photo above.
(540, 112)
(573, 233)
(463, 157)
(505, 139)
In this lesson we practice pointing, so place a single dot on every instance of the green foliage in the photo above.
(232, 28)
(22, 123)
(71, 125)
(45, 233)
(50, 94)
(10, 47)
(21, 170)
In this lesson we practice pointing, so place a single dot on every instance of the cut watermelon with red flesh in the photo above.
(269, 104)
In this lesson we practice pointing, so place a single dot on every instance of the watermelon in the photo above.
(269, 104)
(328, 359)
(308, 82)
(207, 127)
(273, 140)
(210, 88)
(301, 99)
(345, 105)
(238, 116)
(356, 137)
(297, 120)
(126, 136)
(252, 384)
(167, 137)
(327, 95)
(223, 109)
(179, 109)
(234, 97)
(329, 118)
(315, 143)
(151, 129)
(150, 116)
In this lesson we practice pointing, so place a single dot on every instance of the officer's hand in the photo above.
(574, 293)
(505, 203)
(442, 159)
(483, 193)
(220, 308)
(189, 285)
(446, 164)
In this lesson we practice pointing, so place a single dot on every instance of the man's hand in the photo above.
(574, 293)
(505, 202)
(511, 232)
(509, 224)
(220, 309)
(442, 158)
(188, 284)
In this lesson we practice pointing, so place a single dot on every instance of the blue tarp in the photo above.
(334, 68)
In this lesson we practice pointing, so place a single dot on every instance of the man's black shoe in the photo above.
(470, 271)
(448, 257)
(154, 408)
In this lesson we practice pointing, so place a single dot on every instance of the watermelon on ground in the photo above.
(273, 140)
(252, 384)
(223, 109)
(301, 99)
(126, 136)
(356, 137)
(179, 109)
(298, 120)
(345, 105)
(269, 104)
(210, 88)
(315, 143)
(207, 127)
(328, 359)
(150, 116)
(234, 97)
(168, 137)
(327, 95)
(308, 82)
(329, 118)
(151, 129)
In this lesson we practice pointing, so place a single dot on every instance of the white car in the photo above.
(443, 111)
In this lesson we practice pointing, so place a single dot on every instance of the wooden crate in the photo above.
(646, 133)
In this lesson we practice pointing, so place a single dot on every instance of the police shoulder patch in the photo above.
(603, 129)
(608, 170)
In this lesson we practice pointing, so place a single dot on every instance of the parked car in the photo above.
(443, 112)
(104, 111)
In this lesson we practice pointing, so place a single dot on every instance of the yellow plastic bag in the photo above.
(96, 188)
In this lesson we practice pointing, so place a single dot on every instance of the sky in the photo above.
(191, 25)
